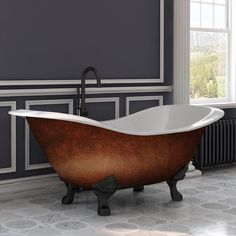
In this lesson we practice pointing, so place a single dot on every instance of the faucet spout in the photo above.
(83, 109)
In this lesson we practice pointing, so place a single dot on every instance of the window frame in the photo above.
(230, 95)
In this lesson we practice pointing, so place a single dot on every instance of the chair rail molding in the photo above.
(73, 91)
(28, 104)
(181, 51)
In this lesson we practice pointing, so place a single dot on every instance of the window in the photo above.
(210, 54)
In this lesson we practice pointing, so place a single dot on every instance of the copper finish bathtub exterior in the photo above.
(83, 154)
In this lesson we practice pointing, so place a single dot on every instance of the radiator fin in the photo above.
(218, 145)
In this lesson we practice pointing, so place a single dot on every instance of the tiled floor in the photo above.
(208, 208)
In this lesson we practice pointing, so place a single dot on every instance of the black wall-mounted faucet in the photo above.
(83, 109)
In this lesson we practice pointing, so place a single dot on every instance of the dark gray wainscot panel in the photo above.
(35, 159)
(25, 158)
(7, 138)
(138, 103)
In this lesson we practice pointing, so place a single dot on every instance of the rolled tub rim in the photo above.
(213, 115)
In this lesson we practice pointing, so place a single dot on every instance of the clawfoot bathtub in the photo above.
(148, 147)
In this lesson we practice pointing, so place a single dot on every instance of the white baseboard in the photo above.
(29, 183)
(26, 179)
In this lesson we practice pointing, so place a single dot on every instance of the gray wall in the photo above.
(57, 39)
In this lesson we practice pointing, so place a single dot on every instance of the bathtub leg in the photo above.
(175, 194)
(104, 190)
(138, 189)
(69, 197)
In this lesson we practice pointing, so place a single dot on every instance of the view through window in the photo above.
(209, 54)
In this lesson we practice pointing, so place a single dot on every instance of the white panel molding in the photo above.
(162, 40)
(142, 98)
(28, 104)
(116, 100)
(104, 81)
(181, 51)
(73, 91)
(12, 168)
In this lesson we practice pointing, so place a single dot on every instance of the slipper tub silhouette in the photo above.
(147, 147)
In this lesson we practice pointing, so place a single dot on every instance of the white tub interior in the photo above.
(152, 121)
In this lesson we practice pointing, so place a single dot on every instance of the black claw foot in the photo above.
(104, 190)
(175, 194)
(69, 197)
(138, 189)
(103, 208)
